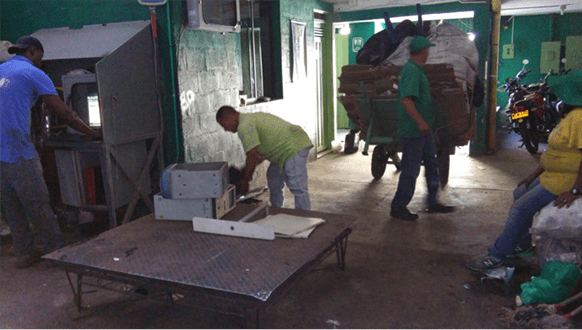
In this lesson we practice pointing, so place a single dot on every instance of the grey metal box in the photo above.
(195, 180)
(186, 209)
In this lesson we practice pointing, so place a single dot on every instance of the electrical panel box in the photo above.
(507, 51)
(550, 59)
(186, 209)
(574, 52)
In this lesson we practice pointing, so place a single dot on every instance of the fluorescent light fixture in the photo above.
(345, 30)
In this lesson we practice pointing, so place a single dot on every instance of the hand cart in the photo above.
(382, 117)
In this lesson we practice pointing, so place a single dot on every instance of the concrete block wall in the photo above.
(209, 76)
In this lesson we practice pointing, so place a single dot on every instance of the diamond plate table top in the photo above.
(171, 251)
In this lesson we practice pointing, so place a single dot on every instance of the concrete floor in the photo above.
(399, 274)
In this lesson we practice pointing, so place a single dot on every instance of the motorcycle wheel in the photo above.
(529, 137)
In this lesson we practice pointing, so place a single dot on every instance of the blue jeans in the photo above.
(26, 201)
(294, 174)
(526, 203)
(414, 152)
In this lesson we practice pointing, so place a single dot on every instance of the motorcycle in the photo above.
(531, 110)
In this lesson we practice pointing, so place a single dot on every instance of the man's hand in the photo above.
(410, 108)
(424, 128)
(565, 199)
(97, 134)
(527, 181)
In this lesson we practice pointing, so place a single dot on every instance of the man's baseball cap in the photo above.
(25, 42)
(418, 43)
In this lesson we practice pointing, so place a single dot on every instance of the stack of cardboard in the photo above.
(455, 121)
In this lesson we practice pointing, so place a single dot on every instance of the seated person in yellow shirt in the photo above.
(557, 179)
(286, 146)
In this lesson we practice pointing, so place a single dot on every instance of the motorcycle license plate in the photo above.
(520, 114)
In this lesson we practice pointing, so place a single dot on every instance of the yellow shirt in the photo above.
(561, 159)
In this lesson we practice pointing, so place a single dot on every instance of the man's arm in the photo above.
(252, 161)
(410, 109)
(58, 107)
(530, 178)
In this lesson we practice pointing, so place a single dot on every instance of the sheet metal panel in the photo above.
(127, 91)
(98, 40)
(171, 251)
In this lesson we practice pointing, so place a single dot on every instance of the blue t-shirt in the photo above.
(21, 83)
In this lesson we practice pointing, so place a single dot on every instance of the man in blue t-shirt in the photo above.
(33, 225)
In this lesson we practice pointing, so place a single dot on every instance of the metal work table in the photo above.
(168, 261)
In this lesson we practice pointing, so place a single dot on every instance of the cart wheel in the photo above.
(378, 161)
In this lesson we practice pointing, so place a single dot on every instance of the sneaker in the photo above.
(440, 208)
(27, 260)
(403, 214)
(521, 253)
(483, 263)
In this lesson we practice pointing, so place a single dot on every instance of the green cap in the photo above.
(418, 43)
(568, 87)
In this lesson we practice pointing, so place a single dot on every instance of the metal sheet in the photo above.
(127, 91)
(97, 40)
(171, 251)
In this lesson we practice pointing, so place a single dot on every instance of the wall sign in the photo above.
(357, 44)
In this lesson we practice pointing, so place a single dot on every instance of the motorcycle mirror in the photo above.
(525, 62)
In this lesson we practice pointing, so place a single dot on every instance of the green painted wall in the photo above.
(342, 44)
(528, 34)
(359, 31)
(25, 17)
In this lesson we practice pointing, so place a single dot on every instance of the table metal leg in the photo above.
(341, 244)
(78, 291)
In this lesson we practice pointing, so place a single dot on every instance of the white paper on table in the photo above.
(291, 226)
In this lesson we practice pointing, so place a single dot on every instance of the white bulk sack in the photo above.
(564, 223)
(452, 46)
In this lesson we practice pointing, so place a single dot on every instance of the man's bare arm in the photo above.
(410, 109)
(59, 108)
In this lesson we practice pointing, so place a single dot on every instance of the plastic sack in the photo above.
(549, 249)
(384, 43)
(554, 284)
(377, 48)
(452, 47)
(564, 223)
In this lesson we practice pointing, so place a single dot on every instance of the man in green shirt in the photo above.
(416, 118)
(286, 146)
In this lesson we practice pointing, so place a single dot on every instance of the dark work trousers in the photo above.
(26, 201)
(415, 151)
